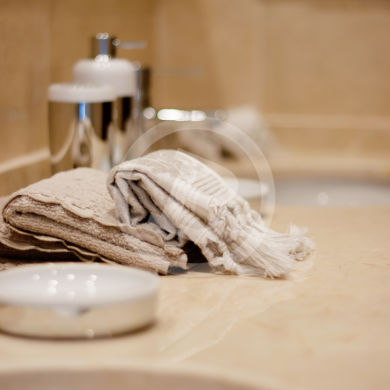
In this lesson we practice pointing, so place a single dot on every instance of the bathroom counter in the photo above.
(308, 163)
(326, 326)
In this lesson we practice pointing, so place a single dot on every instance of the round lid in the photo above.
(86, 93)
(74, 285)
(76, 299)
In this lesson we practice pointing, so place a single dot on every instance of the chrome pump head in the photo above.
(104, 44)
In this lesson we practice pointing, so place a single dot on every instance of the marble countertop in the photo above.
(325, 326)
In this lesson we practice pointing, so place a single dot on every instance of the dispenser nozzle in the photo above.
(104, 44)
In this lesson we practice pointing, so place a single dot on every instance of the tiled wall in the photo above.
(41, 40)
(207, 53)
(317, 69)
(327, 71)
(24, 74)
(308, 65)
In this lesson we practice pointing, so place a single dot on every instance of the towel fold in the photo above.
(184, 200)
(160, 205)
(71, 216)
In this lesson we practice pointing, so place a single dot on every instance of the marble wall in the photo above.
(41, 40)
(317, 69)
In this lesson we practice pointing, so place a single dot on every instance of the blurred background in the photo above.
(317, 70)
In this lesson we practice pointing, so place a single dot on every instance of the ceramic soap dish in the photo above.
(73, 300)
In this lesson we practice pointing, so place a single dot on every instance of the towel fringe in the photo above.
(268, 253)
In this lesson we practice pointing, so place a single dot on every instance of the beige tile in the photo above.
(24, 76)
(184, 75)
(205, 53)
(328, 57)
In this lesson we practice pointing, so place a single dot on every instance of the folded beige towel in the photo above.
(70, 216)
(161, 204)
(184, 200)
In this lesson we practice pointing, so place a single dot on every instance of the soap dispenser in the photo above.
(104, 68)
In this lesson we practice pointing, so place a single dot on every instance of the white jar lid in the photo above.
(118, 73)
(76, 299)
(86, 93)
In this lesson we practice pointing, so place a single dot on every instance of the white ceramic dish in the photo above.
(76, 299)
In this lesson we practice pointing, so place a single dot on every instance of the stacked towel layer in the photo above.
(71, 215)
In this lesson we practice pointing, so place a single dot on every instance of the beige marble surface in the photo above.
(326, 326)
(308, 162)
